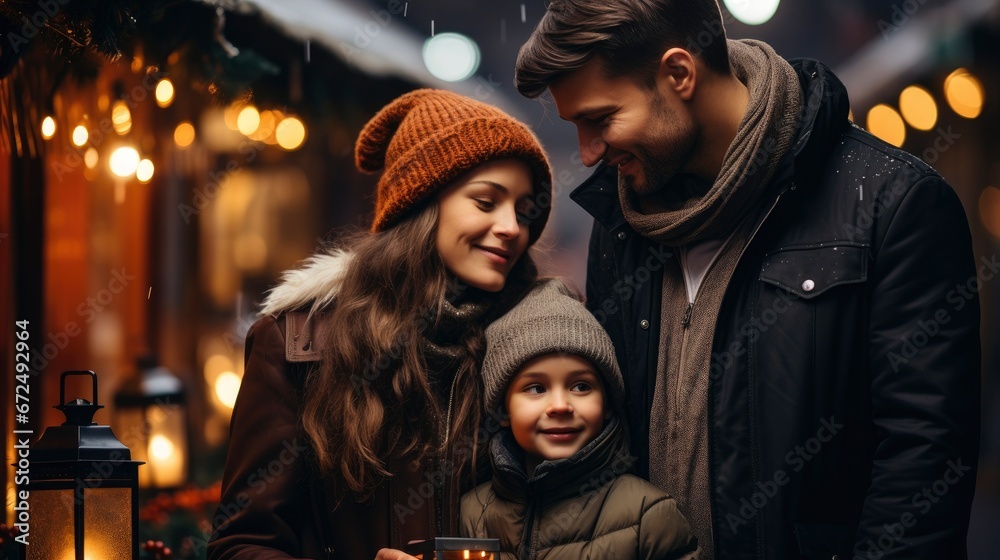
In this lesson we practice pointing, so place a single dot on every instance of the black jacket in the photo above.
(844, 391)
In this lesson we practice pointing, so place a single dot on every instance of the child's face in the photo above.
(556, 405)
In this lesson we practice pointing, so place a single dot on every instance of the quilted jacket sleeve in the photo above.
(664, 533)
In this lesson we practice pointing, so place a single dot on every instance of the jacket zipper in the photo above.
(751, 396)
(439, 494)
(687, 315)
(680, 373)
(529, 522)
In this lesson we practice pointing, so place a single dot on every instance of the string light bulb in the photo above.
(164, 93)
(48, 127)
(80, 135)
(144, 171)
(124, 161)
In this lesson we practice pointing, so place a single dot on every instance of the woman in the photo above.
(356, 426)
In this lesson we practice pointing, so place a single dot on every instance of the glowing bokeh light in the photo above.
(752, 12)
(887, 124)
(918, 108)
(124, 161)
(227, 386)
(451, 57)
(291, 133)
(80, 135)
(90, 158)
(164, 93)
(48, 127)
(964, 93)
(121, 117)
(248, 120)
(184, 134)
(144, 171)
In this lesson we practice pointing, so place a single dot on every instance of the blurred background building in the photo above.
(163, 162)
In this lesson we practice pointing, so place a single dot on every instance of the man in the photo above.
(787, 293)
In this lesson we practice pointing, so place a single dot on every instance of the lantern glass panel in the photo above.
(51, 525)
(107, 514)
(166, 454)
(130, 429)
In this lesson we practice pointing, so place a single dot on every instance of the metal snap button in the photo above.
(808, 286)
(621, 235)
(644, 324)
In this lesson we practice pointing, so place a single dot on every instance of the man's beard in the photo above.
(660, 162)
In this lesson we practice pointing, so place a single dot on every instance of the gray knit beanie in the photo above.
(550, 319)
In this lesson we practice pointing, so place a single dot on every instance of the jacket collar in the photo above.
(312, 286)
(824, 117)
(587, 470)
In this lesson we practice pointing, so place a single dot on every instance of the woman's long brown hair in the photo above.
(370, 402)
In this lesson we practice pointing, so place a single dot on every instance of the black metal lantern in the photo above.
(151, 417)
(84, 488)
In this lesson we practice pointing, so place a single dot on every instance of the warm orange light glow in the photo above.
(291, 133)
(248, 120)
(48, 127)
(80, 135)
(144, 171)
(121, 117)
(231, 116)
(887, 124)
(250, 251)
(90, 158)
(227, 386)
(918, 108)
(266, 126)
(989, 210)
(964, 93)
(123, 161)
(184, 134)
(164, 93)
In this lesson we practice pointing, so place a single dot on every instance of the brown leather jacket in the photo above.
(273, 505)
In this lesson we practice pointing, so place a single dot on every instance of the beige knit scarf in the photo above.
(678, 440)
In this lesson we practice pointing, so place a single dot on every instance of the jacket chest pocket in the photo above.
(809, 272)
(810, 300)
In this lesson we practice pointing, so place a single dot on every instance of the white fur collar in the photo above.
(315, 284)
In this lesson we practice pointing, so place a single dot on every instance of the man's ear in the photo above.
(678, 72)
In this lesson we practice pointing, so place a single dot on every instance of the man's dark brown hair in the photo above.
(628, 35)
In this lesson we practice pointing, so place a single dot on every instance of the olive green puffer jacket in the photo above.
(578, 508)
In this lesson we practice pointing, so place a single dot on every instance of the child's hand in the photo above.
(393, 554)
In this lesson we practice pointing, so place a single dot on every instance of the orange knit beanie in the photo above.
(427, 138)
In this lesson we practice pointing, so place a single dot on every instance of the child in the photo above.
(559, 490)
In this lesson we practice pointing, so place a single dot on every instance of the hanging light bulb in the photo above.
(124, 161)
(164, 93)
(48, 127)
(144, 171)
(121, 117)
(80, 135)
